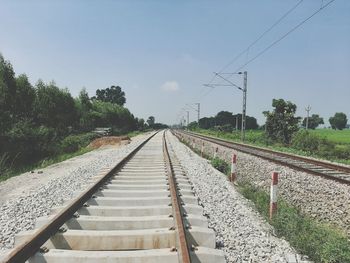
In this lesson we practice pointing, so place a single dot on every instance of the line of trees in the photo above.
(337, 122)
(281, 122)
(225, 121)
(151, 122)
(36, 120)
(282, 126)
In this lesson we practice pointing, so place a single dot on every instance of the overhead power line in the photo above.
(323, 6)
(284, 36)
(252, 44)
(261, 36)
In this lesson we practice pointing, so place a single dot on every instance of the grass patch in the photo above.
(336, 136)
(320, 242)
(134, 133)
(220, 165)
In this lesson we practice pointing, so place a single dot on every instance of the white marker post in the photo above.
(273, 194)
(202, 149)
(233, 168)
(216, 152)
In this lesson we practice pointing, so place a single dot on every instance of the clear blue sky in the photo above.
(161, 52)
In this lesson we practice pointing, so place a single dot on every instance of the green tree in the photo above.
(281, 122)
(106, 114)
(140, 124)
(159, 126)
(192, 126)
(150, 121)
(114, 94)
(314, 121)
(338, 121)
(25, 96)
(224, 117)
(7, 94)
(84, 111)
(227, 121)
(85, 100)
(207, 123)
(54, 107)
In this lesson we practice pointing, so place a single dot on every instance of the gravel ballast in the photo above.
(322, 199)
(51, 187)
(241, 232)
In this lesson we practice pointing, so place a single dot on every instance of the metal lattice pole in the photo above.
(244, 108)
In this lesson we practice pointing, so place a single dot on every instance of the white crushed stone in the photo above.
(19, 212)
(322, 199)
(241, 232)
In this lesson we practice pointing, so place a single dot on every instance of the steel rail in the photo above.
(249, 149)
(28, 248)
(175, 200)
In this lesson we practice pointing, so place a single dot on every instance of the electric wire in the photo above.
(252, 44)
(284, 36)
(261, 36)
(323, 6)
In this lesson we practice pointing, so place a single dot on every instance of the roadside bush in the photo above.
(327, 149)
(342, 152)
(25, 143)
(220, 165)
(73, 143)
(119, 131)
(227, 128)
(306, 141)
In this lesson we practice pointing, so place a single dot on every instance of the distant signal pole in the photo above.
(308, 109)
(198, 111)
(188, 117)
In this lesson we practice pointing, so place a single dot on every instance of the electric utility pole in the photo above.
(308, 109)
(198, 111)
(244, 90)
(244, 109)
(188, 118)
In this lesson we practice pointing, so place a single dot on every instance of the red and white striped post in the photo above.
(233, 168)
(273, 194)
(216, 152)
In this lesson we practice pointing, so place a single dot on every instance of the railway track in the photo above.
(327, 170)
(141, 210)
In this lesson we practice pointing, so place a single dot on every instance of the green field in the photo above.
(341, 137)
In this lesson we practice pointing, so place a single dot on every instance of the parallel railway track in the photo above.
(141, 210)
(327, 170)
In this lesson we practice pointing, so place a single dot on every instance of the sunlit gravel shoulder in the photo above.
(241, 232)
(52, 187)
